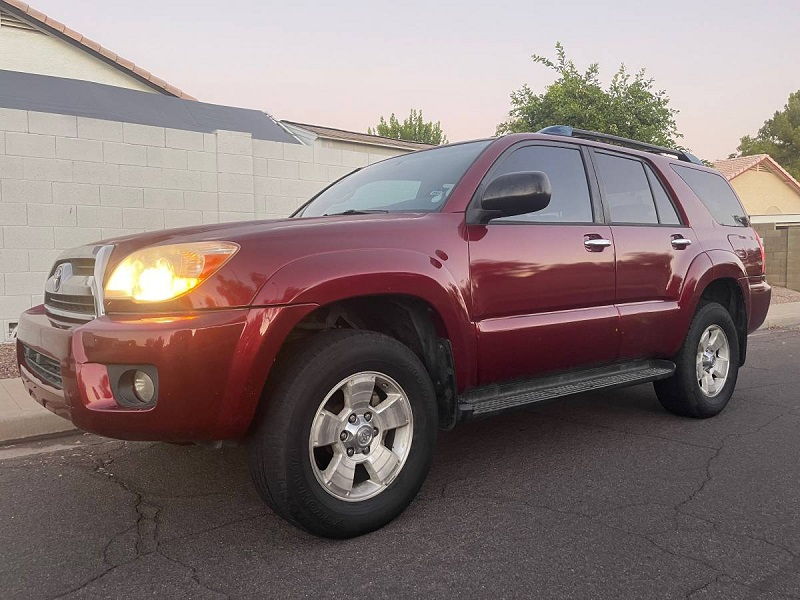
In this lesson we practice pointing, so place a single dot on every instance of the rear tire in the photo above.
(320, 405)
(707, 366)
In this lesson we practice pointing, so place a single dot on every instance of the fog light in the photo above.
(143, 387)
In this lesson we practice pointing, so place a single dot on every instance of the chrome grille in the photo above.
(45, 368)
(71, 291)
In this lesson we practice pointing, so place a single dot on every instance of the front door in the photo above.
(543, 283)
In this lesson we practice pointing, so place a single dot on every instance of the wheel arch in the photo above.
(718, 276)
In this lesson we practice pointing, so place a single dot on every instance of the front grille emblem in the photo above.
(56, 277)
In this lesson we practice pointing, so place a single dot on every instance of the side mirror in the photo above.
(513, 194)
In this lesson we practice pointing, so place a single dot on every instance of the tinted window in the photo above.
(716, 194)
(414, 182)
(626, 190)
(570, 202)
(664, 206)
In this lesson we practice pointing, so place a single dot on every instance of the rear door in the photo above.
(654, 250)
(543, 282)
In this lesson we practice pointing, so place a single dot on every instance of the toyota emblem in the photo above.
(57, 274)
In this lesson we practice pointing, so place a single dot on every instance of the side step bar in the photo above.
(495, 398)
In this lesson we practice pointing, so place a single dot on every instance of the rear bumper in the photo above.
(760, 297)
(211, 368)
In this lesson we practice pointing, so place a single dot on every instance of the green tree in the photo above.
(779, 137)
(413, 129)
(629, 106)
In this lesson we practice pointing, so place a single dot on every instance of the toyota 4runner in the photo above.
(408, 296)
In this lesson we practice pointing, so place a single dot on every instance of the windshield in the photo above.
(415, 182)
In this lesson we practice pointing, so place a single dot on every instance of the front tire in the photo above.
(347, 433)
(707, 366)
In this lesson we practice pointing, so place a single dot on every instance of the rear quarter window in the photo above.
(716, 194)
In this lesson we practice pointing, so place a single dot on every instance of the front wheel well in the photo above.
(410, 320)
(726, 292)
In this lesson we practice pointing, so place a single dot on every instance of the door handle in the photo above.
(596, 244)
(679, 243)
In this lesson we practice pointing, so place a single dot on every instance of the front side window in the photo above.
(570, 201)
(415, 182)
(716, 194)
(626, 190)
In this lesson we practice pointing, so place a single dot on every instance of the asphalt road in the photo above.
(597, 496)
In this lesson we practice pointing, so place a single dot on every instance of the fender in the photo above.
(706, 268)
(328, 277)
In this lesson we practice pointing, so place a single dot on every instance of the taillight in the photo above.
(763, 255)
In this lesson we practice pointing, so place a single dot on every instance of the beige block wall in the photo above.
(776, 250)
(764, 193)
(67, 181)
(35, 52)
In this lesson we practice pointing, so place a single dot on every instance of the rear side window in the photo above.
(664, 206)
(716, 194)
(626, 190)
(570, 202)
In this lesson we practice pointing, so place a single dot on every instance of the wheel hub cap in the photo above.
(713, 360)
(364, 436)
(361, 436)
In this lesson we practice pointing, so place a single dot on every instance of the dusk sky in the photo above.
(727, 66)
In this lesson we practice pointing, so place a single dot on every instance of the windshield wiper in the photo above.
(353, 211)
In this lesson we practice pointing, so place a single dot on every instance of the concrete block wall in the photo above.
(67, 181)
(782, 248)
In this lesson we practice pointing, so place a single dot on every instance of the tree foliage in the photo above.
(629, 107)
(413, 129)
(779, 137)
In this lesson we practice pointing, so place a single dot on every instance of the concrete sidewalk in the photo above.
(783, 315)
(21, 417)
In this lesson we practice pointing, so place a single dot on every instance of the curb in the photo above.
(782, 315)
(21, 417)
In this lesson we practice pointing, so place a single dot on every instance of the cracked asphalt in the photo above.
(596, 496)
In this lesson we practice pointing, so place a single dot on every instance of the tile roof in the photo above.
(86, 44)
(733, 167)
(362, 138)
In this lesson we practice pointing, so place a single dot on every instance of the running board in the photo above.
(495, 398)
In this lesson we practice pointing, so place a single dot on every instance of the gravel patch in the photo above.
(784, 295)
(8, 361)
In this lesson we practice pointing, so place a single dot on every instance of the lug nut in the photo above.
(343, 436)
(366, 450)
(350, 452)
(368, 416)
(374, 431)
(352, 418)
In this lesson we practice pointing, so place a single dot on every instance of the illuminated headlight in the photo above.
(164, 272)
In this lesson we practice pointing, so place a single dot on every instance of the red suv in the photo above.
(408, 296)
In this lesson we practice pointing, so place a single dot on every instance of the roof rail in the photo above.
(569, 131)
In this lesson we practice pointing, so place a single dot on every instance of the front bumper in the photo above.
(211, 365)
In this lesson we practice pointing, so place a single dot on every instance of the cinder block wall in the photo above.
(67, 181)
(776, 250)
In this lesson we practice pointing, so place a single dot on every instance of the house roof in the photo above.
(733, 167)
(60, 95)
(54, 27)
(359, 138)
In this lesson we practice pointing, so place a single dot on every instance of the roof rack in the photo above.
(568, 131)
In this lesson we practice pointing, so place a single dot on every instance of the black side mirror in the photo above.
(513, 194)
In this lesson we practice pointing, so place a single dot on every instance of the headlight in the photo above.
(165, 272)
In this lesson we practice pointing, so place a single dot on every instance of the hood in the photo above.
(265, 247)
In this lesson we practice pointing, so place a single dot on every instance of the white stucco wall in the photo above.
(35, 52)
(67, 181)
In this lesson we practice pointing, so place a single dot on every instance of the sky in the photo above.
(726, 66)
